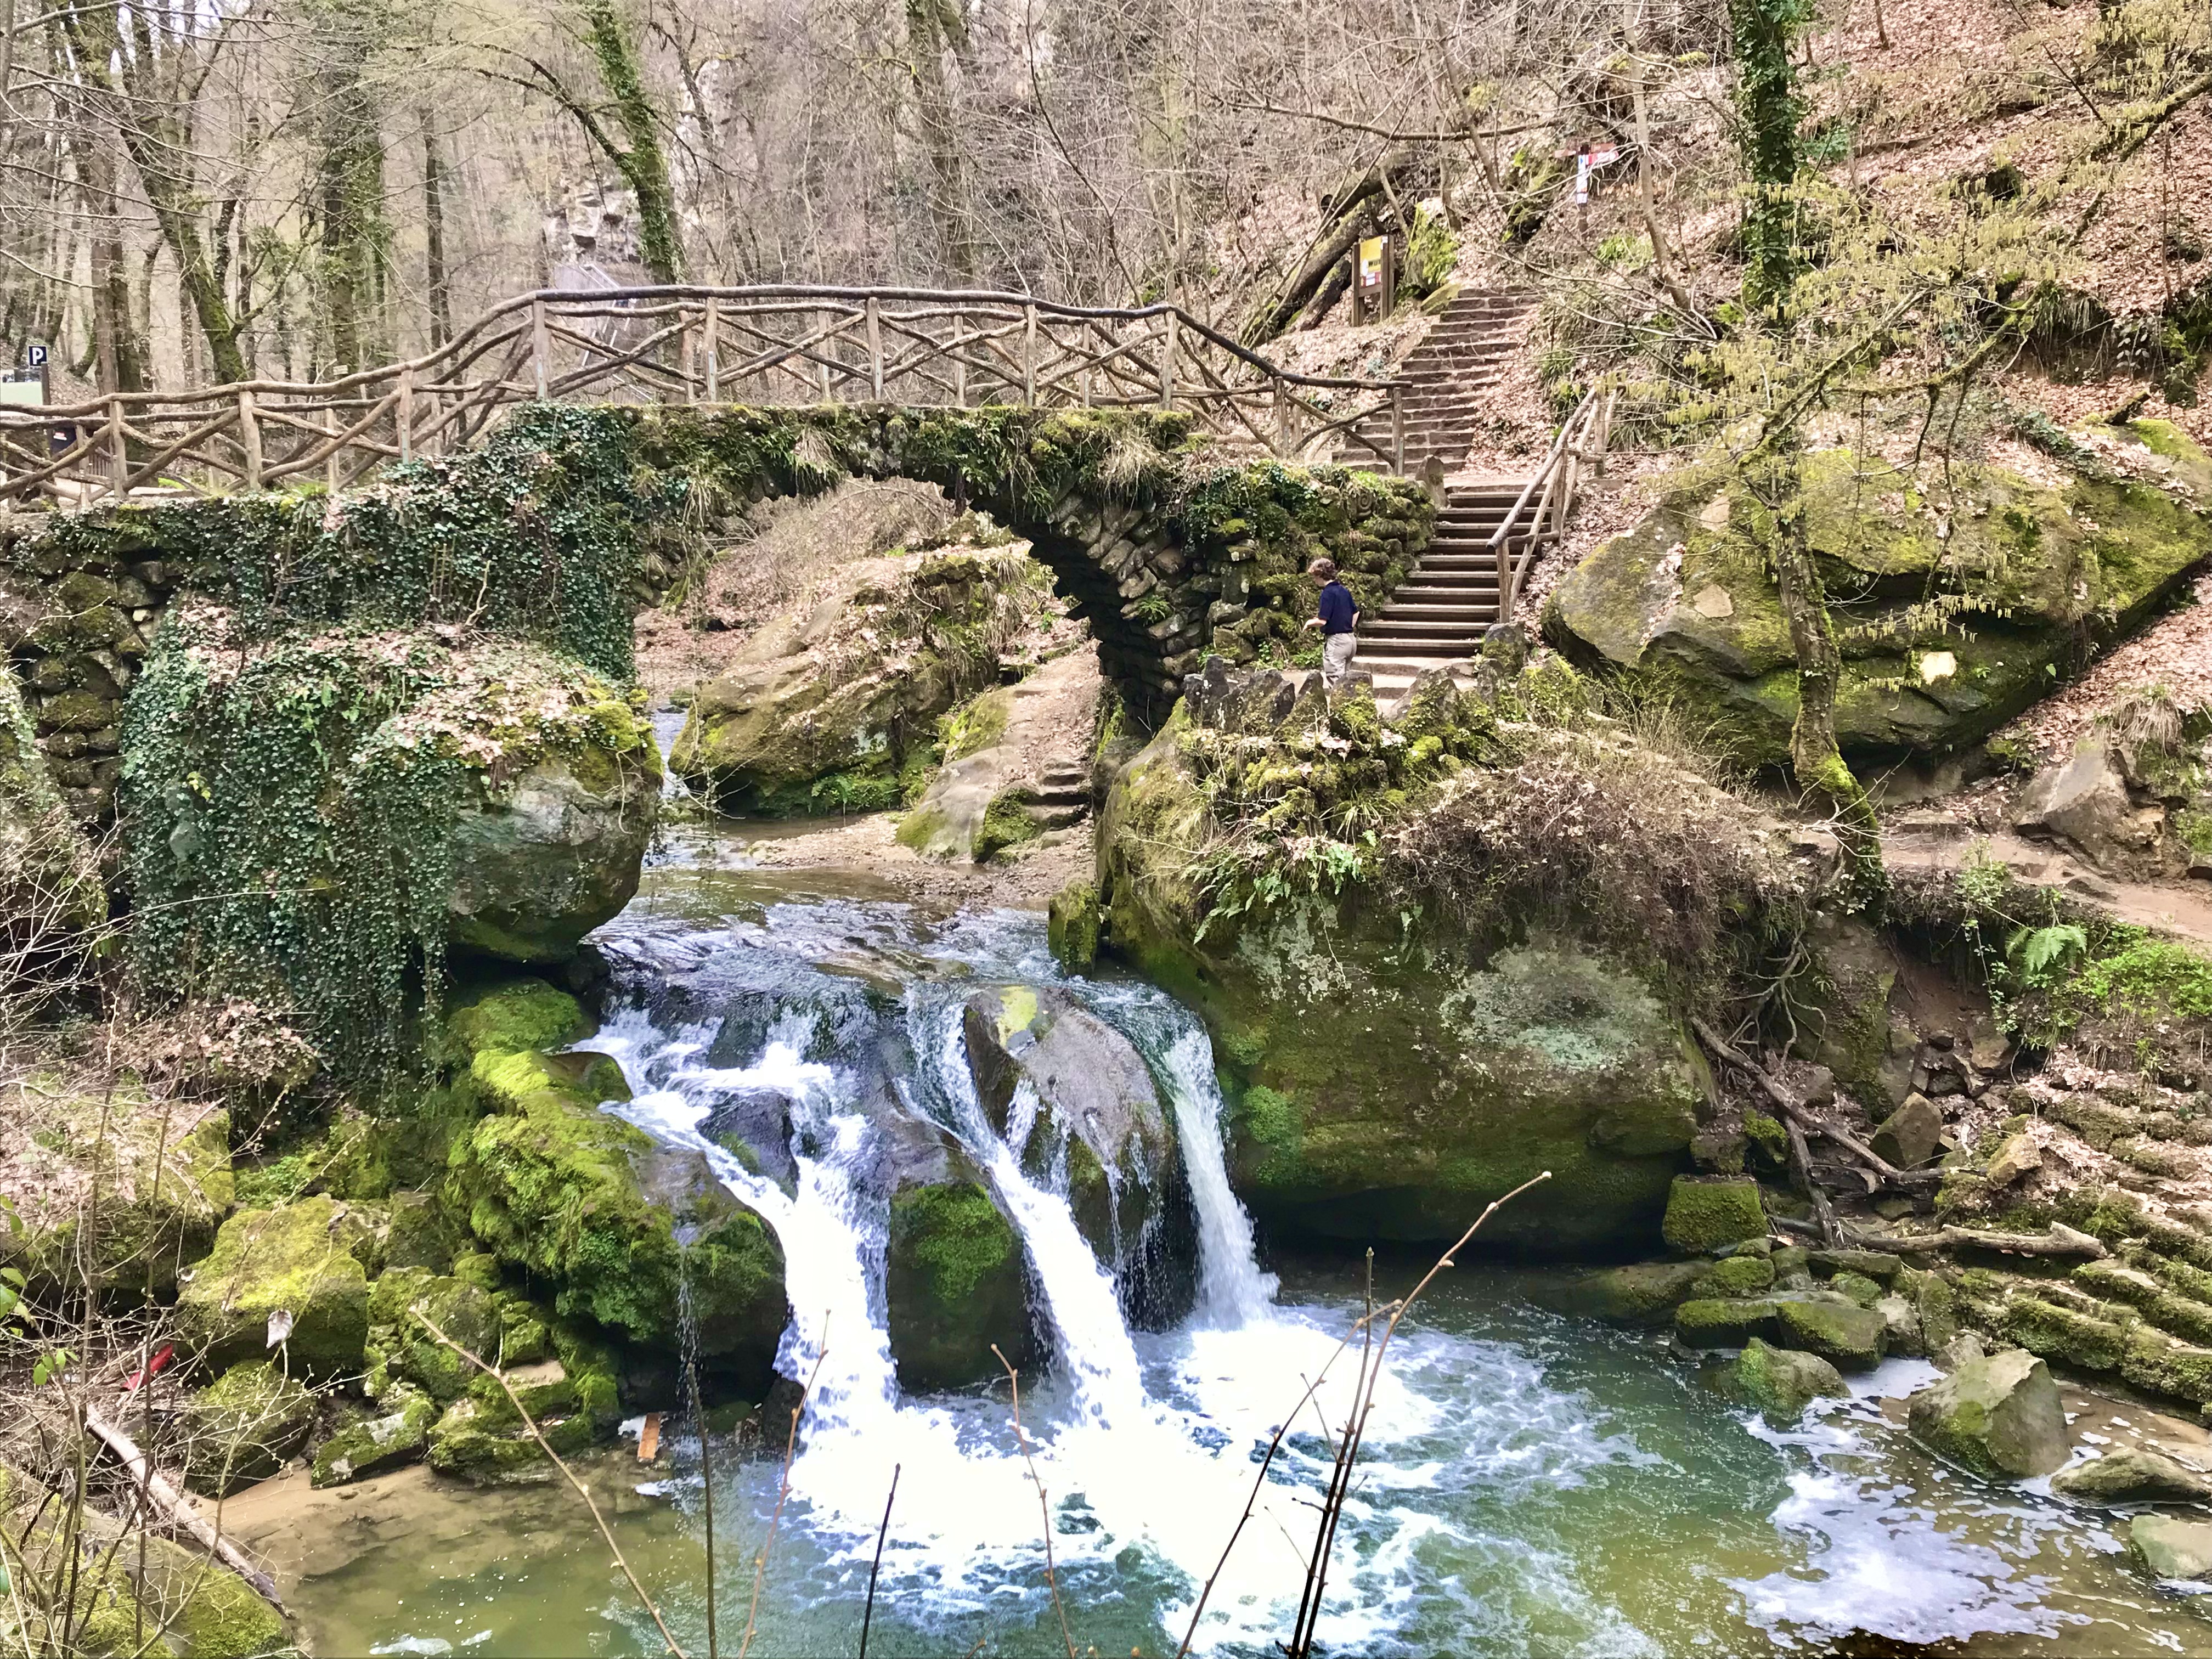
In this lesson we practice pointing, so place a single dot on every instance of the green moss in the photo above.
(1643, 1293)
(514, 1017)
(2064, 1335)
(1072, 925)
(1702, 1215)
(1007, 823)
(303, 1259)
(1842, 1333)
(953, 1287)
(1739, 1275)
(1711, 1322)
(244, 1427)
(395, 1435)
(1780, 1384)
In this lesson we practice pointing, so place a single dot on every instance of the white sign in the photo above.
(1587, 162)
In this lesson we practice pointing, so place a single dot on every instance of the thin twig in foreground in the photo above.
(868, 1612)
(707, 1493)
(1051, 1574)
(530, 1425)
(783, 1492)
(1300, 1645)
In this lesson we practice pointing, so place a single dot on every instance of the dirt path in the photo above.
(2182, 910)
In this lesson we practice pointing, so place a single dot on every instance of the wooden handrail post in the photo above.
(714, 331)
(959, 367)
(1029, 357)
(875, 349)
(404, 411)
(118, 450)
(1167, 363)
(331, 460)
(1397, 428)
(540, 346)
(249, 438)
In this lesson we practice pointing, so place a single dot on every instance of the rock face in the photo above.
(50, 886)
(1685, 606)
(542, 859)
(1067, 1091)
(1781, 1384)
(953, 1287)
(1998, 1416)
(292, 1274)
(1005, 752)
(1388, 1087)
(825, 710)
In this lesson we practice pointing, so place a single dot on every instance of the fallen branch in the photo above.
(530, 1426)
(2057, 1241)
(165, 1497)
(1795, 1111)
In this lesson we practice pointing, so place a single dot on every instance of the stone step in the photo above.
(1397, 613)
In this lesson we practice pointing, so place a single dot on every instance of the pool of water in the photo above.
(1530, 1483)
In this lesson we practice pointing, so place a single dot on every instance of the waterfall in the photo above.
(667, 727)
(1232, 1291)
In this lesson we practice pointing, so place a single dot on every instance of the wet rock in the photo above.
(1742, 1275)
(1092, 1092)
(1072, 926)
(1702, 1215)
(395, 1435)
(243, 1428)
(2172, 1548)
(1873, 1264)
(1998, 1416)
(1716, 1322)
(1857, 1287)
(1852, 1337)
(292, 1274)
(954, 1286)
(1779, 1382)
(1911, 1134)
(2133, 1475)
(480, 1436)
(1900, 1323)
(755, 1125)
(1645, 1292)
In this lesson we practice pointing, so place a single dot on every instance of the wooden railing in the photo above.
(1582, 441)
(688, 344)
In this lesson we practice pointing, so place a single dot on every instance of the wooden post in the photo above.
(1029, 357)
(540, 346)
(331, 460)
(713, 330)
(406, 409)
(875, 350)
(1282, 419)
(249, 438)
(1167, 363)
(1505, 572)
(118, 449)
(1082, 385)
(959, 368)
(1397, 428)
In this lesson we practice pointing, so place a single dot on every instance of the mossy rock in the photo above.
(304, 1259)
(395, 1434)
(400, 1348)
(162, 1170)
(1072, 925)
(510, 1017)
(1387, 1083)
(243, 1427)
(1702, 1215)
(592, 1205)
(1686, 605)
(1999, 1416)
(1848, 1335)
(571, 1396)
(1641, 1293)
(1739, 1275)
(1780, 1383)
(51, 898)
(1727, 1323)
(954, 1284)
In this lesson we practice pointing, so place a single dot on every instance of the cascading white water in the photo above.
(1232, 1291)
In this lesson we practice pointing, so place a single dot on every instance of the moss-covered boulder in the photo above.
(2133, 1475)
(1097, 1112)
(244, 1427)
(833, 706)
(953, 1287)
(1705, 1215)
(293, 1275)
(571, 1395)
(161, 1169)
(2168, 1547)
(395, 1433)
(509, 1017)
(592, 1206)
(1848, 1335)
(1387, 1082)
(51, 899)
(2018, 573)
(1778, 1383)
(1072, 925)
(1998, 1416)
(1641, 1293)
(408, 1306)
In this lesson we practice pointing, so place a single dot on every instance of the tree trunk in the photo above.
(1772, 111)
(349, 190)
(437, 279)
(1352, 204)
(932, 28)
(644, 165)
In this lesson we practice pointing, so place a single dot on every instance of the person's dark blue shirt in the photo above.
(1338, 609)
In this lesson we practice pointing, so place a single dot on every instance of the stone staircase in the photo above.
(1437, 617)
(1459, 360)
(1061, 794)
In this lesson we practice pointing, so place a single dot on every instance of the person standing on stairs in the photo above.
(1339, 615)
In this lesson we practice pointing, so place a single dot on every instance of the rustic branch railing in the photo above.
(688, 344)
(1581, 439)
